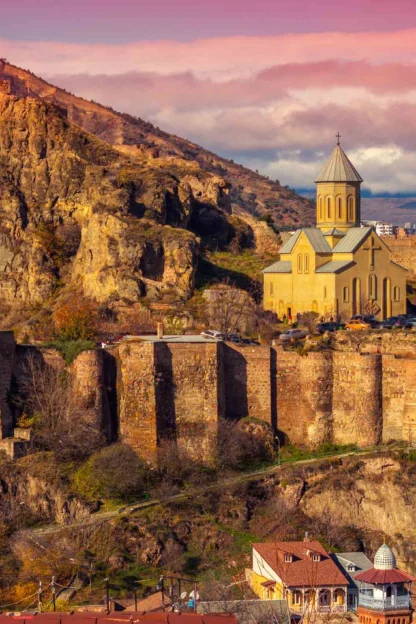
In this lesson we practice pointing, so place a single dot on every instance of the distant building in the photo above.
(352, 563)
(383, 228)
(302, 572)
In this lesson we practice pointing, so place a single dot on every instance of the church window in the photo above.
(321, 208)
(329, 208)
(306, 263)
(396, 293)
(271, 289)
(345, 294)
(339, 207)
(299, 263)
(372, 287)
(350, 208)
(324, 292)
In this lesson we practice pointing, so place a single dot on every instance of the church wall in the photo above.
(334, 191)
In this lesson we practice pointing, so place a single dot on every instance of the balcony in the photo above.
(396, 602)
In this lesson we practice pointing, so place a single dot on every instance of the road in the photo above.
(191, 492)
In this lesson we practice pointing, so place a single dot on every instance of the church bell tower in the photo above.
(338, 193)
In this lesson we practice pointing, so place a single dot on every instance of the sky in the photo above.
(265, 82)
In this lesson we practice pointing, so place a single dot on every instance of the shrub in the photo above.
(114, 472)
(76, 319)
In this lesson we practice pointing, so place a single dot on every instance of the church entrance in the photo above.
(386, 297)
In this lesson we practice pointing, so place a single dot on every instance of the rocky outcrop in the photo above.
(75, 210)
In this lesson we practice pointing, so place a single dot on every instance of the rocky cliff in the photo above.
(73, 210)
(251, 192)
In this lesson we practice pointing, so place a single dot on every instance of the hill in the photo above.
(250, 192)
(396, 210)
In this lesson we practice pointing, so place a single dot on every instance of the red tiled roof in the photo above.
(380, 577)
(119, 618)
(302, 571)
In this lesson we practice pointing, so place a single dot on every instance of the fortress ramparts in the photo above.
(363, 391)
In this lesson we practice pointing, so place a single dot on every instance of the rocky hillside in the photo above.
(73, 210)
(250, 192)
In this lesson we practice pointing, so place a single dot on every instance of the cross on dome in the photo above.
(338, 136)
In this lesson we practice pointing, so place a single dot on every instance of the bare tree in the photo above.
(61, 421)
(230, 309)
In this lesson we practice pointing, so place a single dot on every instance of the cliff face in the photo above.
(75, 210)
(251, 192)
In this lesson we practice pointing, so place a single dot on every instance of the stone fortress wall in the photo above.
(362, 392)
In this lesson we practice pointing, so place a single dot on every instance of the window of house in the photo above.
(296, 597)
(316, 557)
(271, 289)
(324, 292)
(351, 568)
(345, 294)
(288, 558)
(396, 293)
(306, 263)
(299, 263)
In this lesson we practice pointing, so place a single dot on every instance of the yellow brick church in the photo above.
(337, 269)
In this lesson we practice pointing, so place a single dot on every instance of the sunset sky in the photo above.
(266, 82)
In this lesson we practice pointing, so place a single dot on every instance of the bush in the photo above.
(75, 320)
(114, 472)
(70, 349)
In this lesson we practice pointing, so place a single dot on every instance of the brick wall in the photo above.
(247, 380)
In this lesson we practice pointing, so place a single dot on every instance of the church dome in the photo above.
(384, 559)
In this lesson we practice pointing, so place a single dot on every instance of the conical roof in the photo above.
(338, 168)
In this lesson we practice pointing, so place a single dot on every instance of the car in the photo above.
(293, 334)
(401, 322)
(411, 324)
(357, 325)
(213, 334)
(233, 338)
(389, 323)
(367, 318)
(329, 326)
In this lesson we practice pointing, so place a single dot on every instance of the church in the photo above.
(337, 269)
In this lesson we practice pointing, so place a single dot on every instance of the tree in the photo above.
(76, 319)
(308, 319)
(230, 309)
(114, 472)
(61, 422)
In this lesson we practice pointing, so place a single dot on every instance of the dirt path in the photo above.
(241, 478)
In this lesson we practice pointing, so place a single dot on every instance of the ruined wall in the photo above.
(247, 380)
(403, 251)
(87, 372)
(7, 351)
(393, 392)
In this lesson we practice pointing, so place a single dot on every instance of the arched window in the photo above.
(321, 208)
(324, 293)
(339, 207)
(350, 204)
(329, 208)
(396, 293)
(345, 294)
(299, 263)
(372, 287)
(271, 289)
(306, 263)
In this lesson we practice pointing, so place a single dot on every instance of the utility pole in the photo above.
(107, 593)
(135, 594)
(53, 593)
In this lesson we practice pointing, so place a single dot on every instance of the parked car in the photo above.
(213, 334)
(411, 324)
(330, 326)
(293, 334)
(401, 322)
(367, 318)
(357, 325)
(389, 323)
(233, 338)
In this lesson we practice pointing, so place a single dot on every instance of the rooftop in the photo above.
(302, 571)
(194, 338)
(339, 168)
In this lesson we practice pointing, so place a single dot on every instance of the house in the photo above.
(303, 573)
(352, 563)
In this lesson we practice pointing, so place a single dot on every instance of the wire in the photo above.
(2, 607)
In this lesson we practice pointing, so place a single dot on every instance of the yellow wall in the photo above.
(344, 209)
(265, 593)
